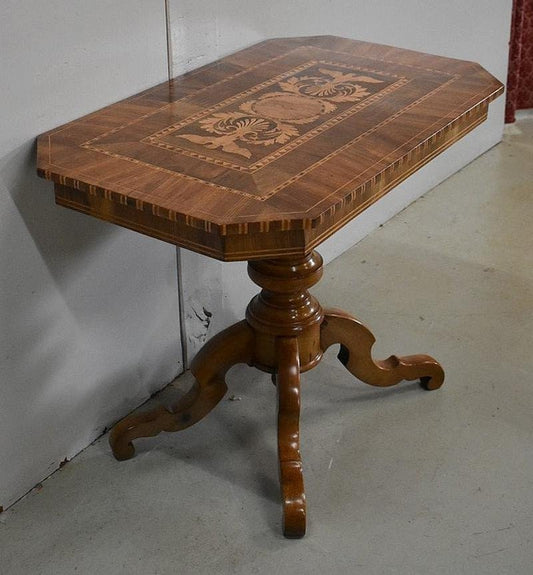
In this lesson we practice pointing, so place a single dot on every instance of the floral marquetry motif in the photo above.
(232, 127)
(333, 85)
(274, 117)
(283, 113)
(269, 151)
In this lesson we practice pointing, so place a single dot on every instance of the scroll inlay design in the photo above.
(274, 117)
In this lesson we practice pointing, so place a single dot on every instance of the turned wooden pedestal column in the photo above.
(285, 333)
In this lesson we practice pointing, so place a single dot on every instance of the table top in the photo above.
(267, 152)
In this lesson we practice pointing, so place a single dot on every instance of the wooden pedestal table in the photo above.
(261, 156)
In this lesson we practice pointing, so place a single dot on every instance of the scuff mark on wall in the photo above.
(214, 296)
(198, 319)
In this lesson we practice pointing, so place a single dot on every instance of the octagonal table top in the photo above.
(267, 152)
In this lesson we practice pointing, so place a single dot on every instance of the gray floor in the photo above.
(399, 481)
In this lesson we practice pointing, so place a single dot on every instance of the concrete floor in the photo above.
(399, 480)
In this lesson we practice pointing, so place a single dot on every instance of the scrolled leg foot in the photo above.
(231, 346)
(355, 353)
(290, 465)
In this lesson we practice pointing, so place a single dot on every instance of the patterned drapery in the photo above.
(520, 76)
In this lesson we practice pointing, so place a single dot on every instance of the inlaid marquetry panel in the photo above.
(251, 130)
(296, 135)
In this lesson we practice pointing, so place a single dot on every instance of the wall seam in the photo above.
(179, 276)
(168, 40)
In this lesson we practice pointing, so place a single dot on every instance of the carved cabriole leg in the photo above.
(290, 465)
(355, 353)
(286, 320)
(231, 346)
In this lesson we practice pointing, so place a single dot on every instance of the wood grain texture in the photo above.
(285, 308)
(287, 380)
(269, 151)
(229, 347)
(356, 354)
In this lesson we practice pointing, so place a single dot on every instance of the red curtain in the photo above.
(520, 77)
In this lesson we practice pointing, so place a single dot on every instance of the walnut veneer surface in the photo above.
(261, 156)
(269, 151)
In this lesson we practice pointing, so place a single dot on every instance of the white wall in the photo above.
(88, 311)
(203, 30)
